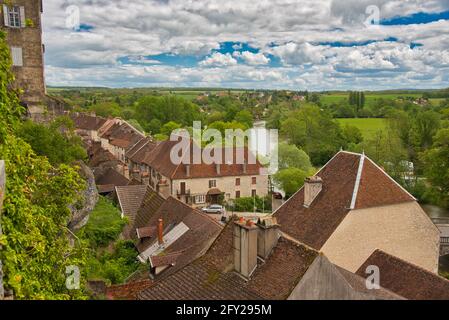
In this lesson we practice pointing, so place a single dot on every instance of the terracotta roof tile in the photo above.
(112, 177)
(406, 279)
(211, 277)
(378, 189)
(160, 160)
(127, 291)
(314, 225)
(151, 203)
(87, 122)
(146, 232)
(130, 199)
(165, 260)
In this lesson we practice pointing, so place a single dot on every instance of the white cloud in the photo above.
(253, 59)
(218, 59)
(290, 30)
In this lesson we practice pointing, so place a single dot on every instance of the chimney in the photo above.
(188, 170)
(164, 188)
(245, 167)
(217, 166)
(245, 247)
(312, 187)
(160, 232)
(267, 237)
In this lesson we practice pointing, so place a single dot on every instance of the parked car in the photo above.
(215, 208)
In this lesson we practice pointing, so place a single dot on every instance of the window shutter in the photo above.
(22, 17)
(17, 56)
(6, 15)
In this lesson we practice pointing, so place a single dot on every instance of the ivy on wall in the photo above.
(36, 247)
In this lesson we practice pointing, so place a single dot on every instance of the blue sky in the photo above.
(307, 44)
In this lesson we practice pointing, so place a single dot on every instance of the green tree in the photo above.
(436, 165)
(352, 134)
(169, 127)
(55, 141)
(290, 180)
(290, 156)
(244, 117)
(314, 131)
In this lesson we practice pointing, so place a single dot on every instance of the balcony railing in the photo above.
(183, 192)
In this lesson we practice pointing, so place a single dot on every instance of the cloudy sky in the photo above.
(280, 44)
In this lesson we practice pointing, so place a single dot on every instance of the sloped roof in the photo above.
(405, 279)
(122, 135)
(350, 181)
(84, 121)
(130, 199)
(173, 212)
(101, 156)
(358, 283)
(112, 177)
(139, 151)
(211, 277)
(199, 229)
(160, 160)
(150, 205)
(127, 291)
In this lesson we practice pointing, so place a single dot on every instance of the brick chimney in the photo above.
(267, 237)
(160, 232)
(218, 168)
(312, 188)
(188, 170)
(245, 247)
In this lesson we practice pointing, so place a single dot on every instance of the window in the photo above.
(14, 16)
(237, 194)
(253, 193)
(212, 184)
(200, 199)
(17, 56)
(254, 180)
(237, 181)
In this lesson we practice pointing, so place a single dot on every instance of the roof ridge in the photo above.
(357, 181)
(321, 169)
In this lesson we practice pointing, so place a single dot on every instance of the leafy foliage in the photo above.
(104, 225)
(55, 141)
(247, 204)
(36, 248)
(290, 180)
(436, 162)
(109, 259)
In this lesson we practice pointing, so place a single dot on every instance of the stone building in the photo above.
(23, 25)
(351, 208)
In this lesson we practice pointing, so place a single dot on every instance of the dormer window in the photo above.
(14, 16)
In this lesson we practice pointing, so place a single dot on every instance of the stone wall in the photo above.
(2, 193)
(402, 230)
(29, 77)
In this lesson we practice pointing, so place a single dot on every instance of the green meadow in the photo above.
(368, 127)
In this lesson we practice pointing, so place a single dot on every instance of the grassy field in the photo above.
(328, 99)
(369, 127)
